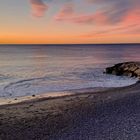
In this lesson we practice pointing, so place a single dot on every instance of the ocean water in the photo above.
(37, 69)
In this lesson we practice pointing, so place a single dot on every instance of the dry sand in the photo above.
(111, 114)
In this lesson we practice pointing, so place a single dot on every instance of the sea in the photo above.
(44, 69)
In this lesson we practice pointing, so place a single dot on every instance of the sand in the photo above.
(110, 114)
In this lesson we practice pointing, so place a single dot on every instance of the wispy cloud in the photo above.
(112, 11)
(129, 25)
(116, 10)
(38, 8)
(74, 17)
(108, 16)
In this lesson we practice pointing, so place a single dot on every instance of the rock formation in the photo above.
(131, 69)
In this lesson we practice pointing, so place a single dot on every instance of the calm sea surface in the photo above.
(29, 69)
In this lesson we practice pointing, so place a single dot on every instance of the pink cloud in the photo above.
(65, 13)
(113, 12)
(69, 14)
(38, 8)
(108, 16)
(129, 25)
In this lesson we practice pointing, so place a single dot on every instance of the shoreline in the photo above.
(15, 100)
(52, 95)
(52, 118)
(55, 95)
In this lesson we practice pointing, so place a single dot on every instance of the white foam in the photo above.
(65, 82)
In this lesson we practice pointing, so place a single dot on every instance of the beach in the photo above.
(109, 114)
(63, 93)
(70, 70)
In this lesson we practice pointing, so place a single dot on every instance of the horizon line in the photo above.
(68, 44)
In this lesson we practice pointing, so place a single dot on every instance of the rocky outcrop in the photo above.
(131, 69)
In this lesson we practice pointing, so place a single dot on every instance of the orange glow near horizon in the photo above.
(112, 38)
(99, 40)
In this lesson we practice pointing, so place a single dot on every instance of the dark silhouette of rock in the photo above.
(131, 69)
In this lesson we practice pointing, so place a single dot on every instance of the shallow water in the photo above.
(38, 69)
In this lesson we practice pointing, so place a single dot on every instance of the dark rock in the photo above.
(114, 72)
(128, 74)
(130, 69)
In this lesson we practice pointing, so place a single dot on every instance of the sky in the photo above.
(69, 21)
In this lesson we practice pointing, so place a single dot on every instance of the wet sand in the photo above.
(102, 115)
